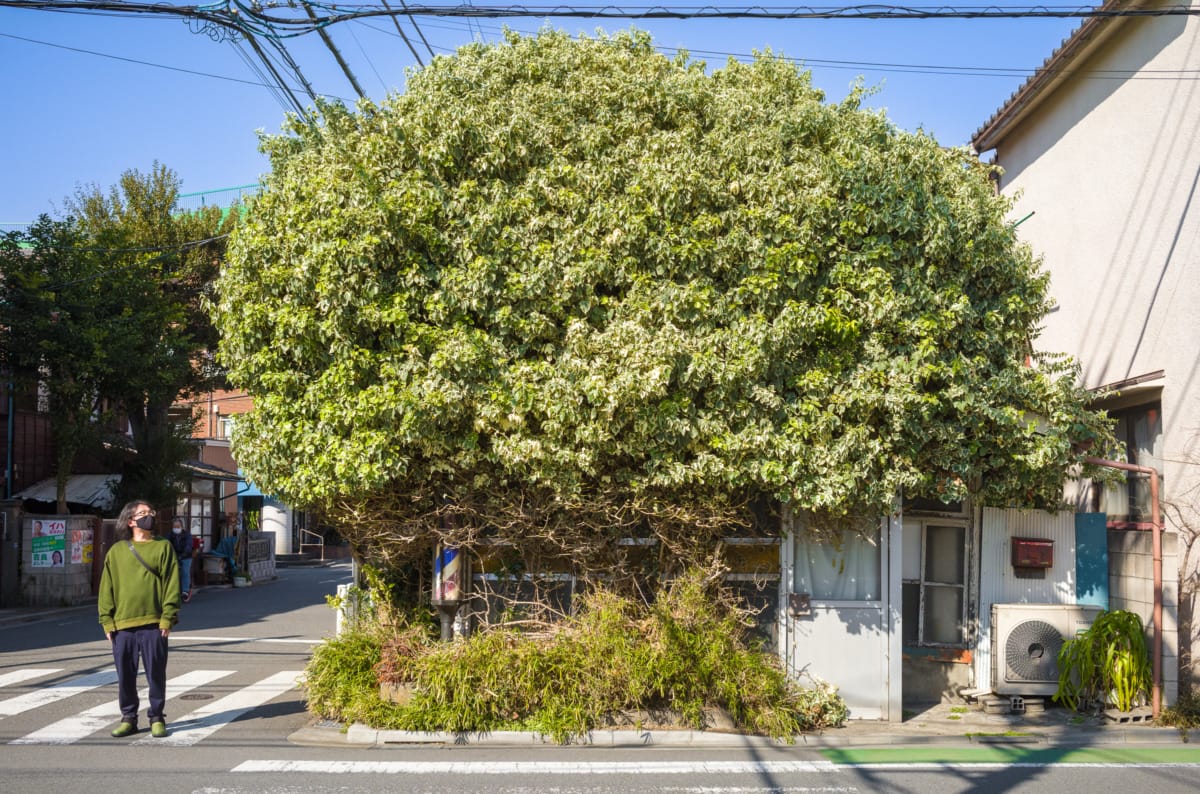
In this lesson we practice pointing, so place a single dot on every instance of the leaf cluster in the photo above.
(104, 315)
(570, 282)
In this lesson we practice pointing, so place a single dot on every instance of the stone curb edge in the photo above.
(362, 736)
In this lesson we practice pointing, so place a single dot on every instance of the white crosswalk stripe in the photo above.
(17, 676)
(51, 694)
(74, 729)
(98, 720)
(207, 720)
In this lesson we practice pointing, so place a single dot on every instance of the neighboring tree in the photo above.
(566, 290)
(175, 257)
(63, 317)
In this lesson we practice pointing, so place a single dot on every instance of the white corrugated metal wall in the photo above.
(998, 583)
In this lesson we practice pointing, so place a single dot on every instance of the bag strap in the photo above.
(153, 572)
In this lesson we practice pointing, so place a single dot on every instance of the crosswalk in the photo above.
(186, 730)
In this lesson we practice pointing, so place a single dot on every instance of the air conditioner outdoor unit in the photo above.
(1026, 639)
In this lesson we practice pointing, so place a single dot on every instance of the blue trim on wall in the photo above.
(1091, 559)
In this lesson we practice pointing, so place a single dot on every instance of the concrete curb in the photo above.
(360, 736)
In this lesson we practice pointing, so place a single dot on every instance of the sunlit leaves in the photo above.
(575, 266)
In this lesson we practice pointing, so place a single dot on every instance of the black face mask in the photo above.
(145, 523)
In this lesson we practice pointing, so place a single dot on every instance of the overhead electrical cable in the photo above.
(337, 55)
(416, 27)
(400, 30)
(254, 66)
(287, 90)
(274, 20)
(370, 62)
(136, 61)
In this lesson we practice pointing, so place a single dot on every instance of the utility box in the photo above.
(1032, 553)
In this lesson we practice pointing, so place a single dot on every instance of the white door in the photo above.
(838, 619)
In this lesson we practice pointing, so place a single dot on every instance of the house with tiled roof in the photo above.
(1100, 150)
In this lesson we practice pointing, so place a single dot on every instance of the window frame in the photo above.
(1134, 481)
(924, 583)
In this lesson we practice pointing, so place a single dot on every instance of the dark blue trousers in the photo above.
(148, 644)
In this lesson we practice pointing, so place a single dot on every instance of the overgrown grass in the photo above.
(686, 654)
(1185, 714)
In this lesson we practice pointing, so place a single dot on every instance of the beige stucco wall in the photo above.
(1110, 167)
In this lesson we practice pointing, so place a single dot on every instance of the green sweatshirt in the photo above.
(132, 596)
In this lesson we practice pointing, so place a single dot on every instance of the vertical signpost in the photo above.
(449, 578)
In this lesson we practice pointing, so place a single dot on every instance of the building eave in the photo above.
(1059, 68)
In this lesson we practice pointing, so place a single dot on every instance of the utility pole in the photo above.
(336, 53)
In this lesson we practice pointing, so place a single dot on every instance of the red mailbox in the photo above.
(1032, 553)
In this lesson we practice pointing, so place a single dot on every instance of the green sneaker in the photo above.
(158, 729)
(123, 730)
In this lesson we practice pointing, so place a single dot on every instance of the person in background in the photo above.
(181, 540)
(138, 604)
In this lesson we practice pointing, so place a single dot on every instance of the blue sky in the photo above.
(77, 119)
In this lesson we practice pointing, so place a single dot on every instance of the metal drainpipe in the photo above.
(1156, 529)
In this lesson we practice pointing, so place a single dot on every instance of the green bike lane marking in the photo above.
(1008, 755)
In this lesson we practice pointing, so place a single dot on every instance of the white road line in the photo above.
(17, 676)
(73, 729)
(539, 767)
(206, 720)
(639, 767)
(180, 637)
(42, 697)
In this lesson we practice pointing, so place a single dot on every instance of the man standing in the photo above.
(181, 541)
(139, 603)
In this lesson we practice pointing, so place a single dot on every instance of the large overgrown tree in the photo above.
(564, 290)
(174, 255)
(62, 310)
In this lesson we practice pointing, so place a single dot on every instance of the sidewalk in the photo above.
(942, 725)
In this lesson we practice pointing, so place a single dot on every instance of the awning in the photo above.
(84, 489)
(198, 468)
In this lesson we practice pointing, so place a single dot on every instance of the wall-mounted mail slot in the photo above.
(1032, 553)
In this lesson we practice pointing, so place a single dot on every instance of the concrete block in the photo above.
(1139, 715)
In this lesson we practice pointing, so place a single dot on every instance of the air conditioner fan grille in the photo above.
(1031, 651)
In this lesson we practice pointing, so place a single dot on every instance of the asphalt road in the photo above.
(235, 658)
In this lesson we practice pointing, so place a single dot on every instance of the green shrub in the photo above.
(1107, 663)
(340, 679)
(686, 653)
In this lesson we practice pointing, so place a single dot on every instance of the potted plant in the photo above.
(1107, 664)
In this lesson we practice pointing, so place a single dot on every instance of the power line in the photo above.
(370, 62)
(416, 27)
(400, 30)
(135, 60)
(274, 21)
(337, 55)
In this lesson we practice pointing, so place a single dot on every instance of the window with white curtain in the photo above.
(844, 567)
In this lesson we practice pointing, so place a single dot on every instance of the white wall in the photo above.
(277, 518)
(1111, 170)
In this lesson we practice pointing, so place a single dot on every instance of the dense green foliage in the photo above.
(103, 315)
(566, 285)
(688, 652)
(1107, 664)
(63, 321)
(171, 258)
